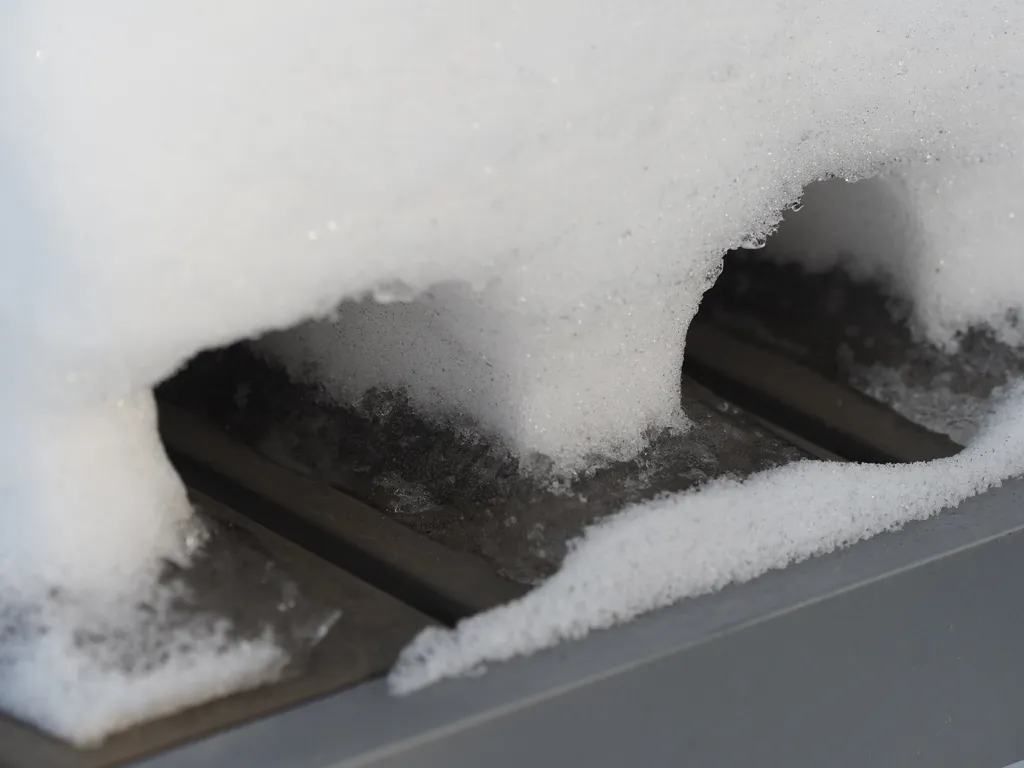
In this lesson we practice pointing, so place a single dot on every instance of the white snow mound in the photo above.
(545, 188)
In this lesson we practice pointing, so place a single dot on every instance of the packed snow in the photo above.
(520, 205)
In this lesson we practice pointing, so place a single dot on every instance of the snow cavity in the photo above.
(730, 531)
(535, 194)
(950, 243)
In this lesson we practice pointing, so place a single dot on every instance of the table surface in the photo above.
(899, 651)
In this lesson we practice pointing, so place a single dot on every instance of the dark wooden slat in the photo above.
(363, 643)
(708, 397)
(444, 583)
(828, 414)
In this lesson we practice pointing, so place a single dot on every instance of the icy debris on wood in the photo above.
(727, 532)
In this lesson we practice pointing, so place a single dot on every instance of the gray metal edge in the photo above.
(366, 726)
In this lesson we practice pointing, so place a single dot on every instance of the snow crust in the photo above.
(654, 554)
(547, 188)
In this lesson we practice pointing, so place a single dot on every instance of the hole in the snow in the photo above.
(828, 291)
(448, 481)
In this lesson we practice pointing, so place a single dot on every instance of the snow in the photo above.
(52, 675)
(535, 193)
(730, 531)
(53, 461)
(666, 134)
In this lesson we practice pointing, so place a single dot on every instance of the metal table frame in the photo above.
(904, 650)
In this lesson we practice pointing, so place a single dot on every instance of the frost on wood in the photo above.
(552, 184)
